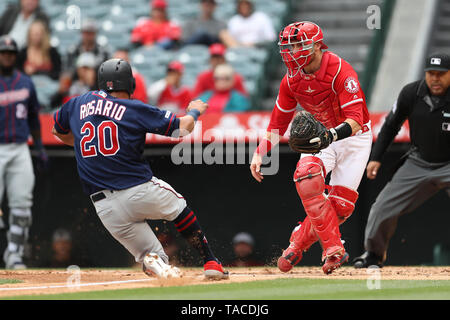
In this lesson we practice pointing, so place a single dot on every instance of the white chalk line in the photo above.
(91, 284)
(74, 286)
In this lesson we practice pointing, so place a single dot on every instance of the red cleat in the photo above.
(334, 262)
(290, 257)
(213, 270)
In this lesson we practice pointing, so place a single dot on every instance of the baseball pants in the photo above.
(123, 213)
(17, 177)
(413, 184)
(347, 159)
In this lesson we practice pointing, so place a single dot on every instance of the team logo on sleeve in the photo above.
(351, 85)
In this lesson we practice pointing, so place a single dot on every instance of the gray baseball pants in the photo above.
(415, 182)
(17, 177)
(123, 213)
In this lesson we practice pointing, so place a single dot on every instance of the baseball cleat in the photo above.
(154, 266)
(213, 270)
(334, 262)
(290, 257)
(366, 260)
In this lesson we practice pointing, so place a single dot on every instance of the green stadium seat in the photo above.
(45, 88)
(97, 12)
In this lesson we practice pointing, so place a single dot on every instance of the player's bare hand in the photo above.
(255, 167)
(372, 169)
(197, 104)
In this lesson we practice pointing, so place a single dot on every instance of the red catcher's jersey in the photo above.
(332, 94)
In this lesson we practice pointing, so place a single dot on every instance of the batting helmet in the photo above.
(304, 34)
(8, 44)
(116, 75)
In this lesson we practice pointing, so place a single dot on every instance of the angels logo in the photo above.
(351, 85)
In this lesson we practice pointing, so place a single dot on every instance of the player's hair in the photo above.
(45, 41)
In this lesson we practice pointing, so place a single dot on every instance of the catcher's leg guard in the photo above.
(309, 180)
(343, 200)
(302, 237)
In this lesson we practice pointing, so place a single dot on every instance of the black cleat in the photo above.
(366, 260)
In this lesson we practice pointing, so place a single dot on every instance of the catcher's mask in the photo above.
(116, 75)
(304, 34)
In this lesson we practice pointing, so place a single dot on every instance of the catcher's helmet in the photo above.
(116, 75)
(305, 34)
(8, 44)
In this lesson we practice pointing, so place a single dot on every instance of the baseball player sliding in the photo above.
(326, 86)
(108, 131)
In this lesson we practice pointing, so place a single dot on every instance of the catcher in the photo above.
(332, 135)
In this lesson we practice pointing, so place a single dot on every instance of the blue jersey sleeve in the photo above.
(33, 109)
(61, 119)
(158, 121)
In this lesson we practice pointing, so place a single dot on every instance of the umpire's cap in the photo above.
(116, 75)
(438, 62)
(8, 44)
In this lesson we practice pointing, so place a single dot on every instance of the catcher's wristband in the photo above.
(342, 131)
(264, 147)
(194, 113)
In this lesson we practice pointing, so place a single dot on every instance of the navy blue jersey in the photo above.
(109, 138)
(19, 108)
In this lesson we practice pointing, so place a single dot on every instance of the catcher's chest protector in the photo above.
(315, 92)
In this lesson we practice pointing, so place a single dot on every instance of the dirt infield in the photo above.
(36, 282)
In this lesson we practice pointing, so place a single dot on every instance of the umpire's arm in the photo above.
(393, 123)
(390, 129)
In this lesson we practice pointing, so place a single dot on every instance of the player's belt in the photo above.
(98, 196)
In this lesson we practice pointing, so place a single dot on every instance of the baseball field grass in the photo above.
(279, 289)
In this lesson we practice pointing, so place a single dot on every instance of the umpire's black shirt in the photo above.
(429, 123)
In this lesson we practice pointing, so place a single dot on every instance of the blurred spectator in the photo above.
(224, 98)
(61, 250)
(17, 18)
(249, 27)
(86, 74)
(71, 85)
(170, 247)
(88, 43)
(205, 29)
(63, 254)
(62, 95)
(157, 29)
(205, 80)
(39, 57)
(168, 93)
(140, 93)
(243, 245)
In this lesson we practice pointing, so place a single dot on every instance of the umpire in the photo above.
(426, 170)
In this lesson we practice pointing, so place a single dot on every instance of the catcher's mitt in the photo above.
(308, 135)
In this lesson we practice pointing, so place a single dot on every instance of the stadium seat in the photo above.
(254, 54)
(116, 39)
(97, 12)
(56, 11)
(45, 88)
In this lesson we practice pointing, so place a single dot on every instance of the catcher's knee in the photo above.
(343, 200)
(309, 177)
